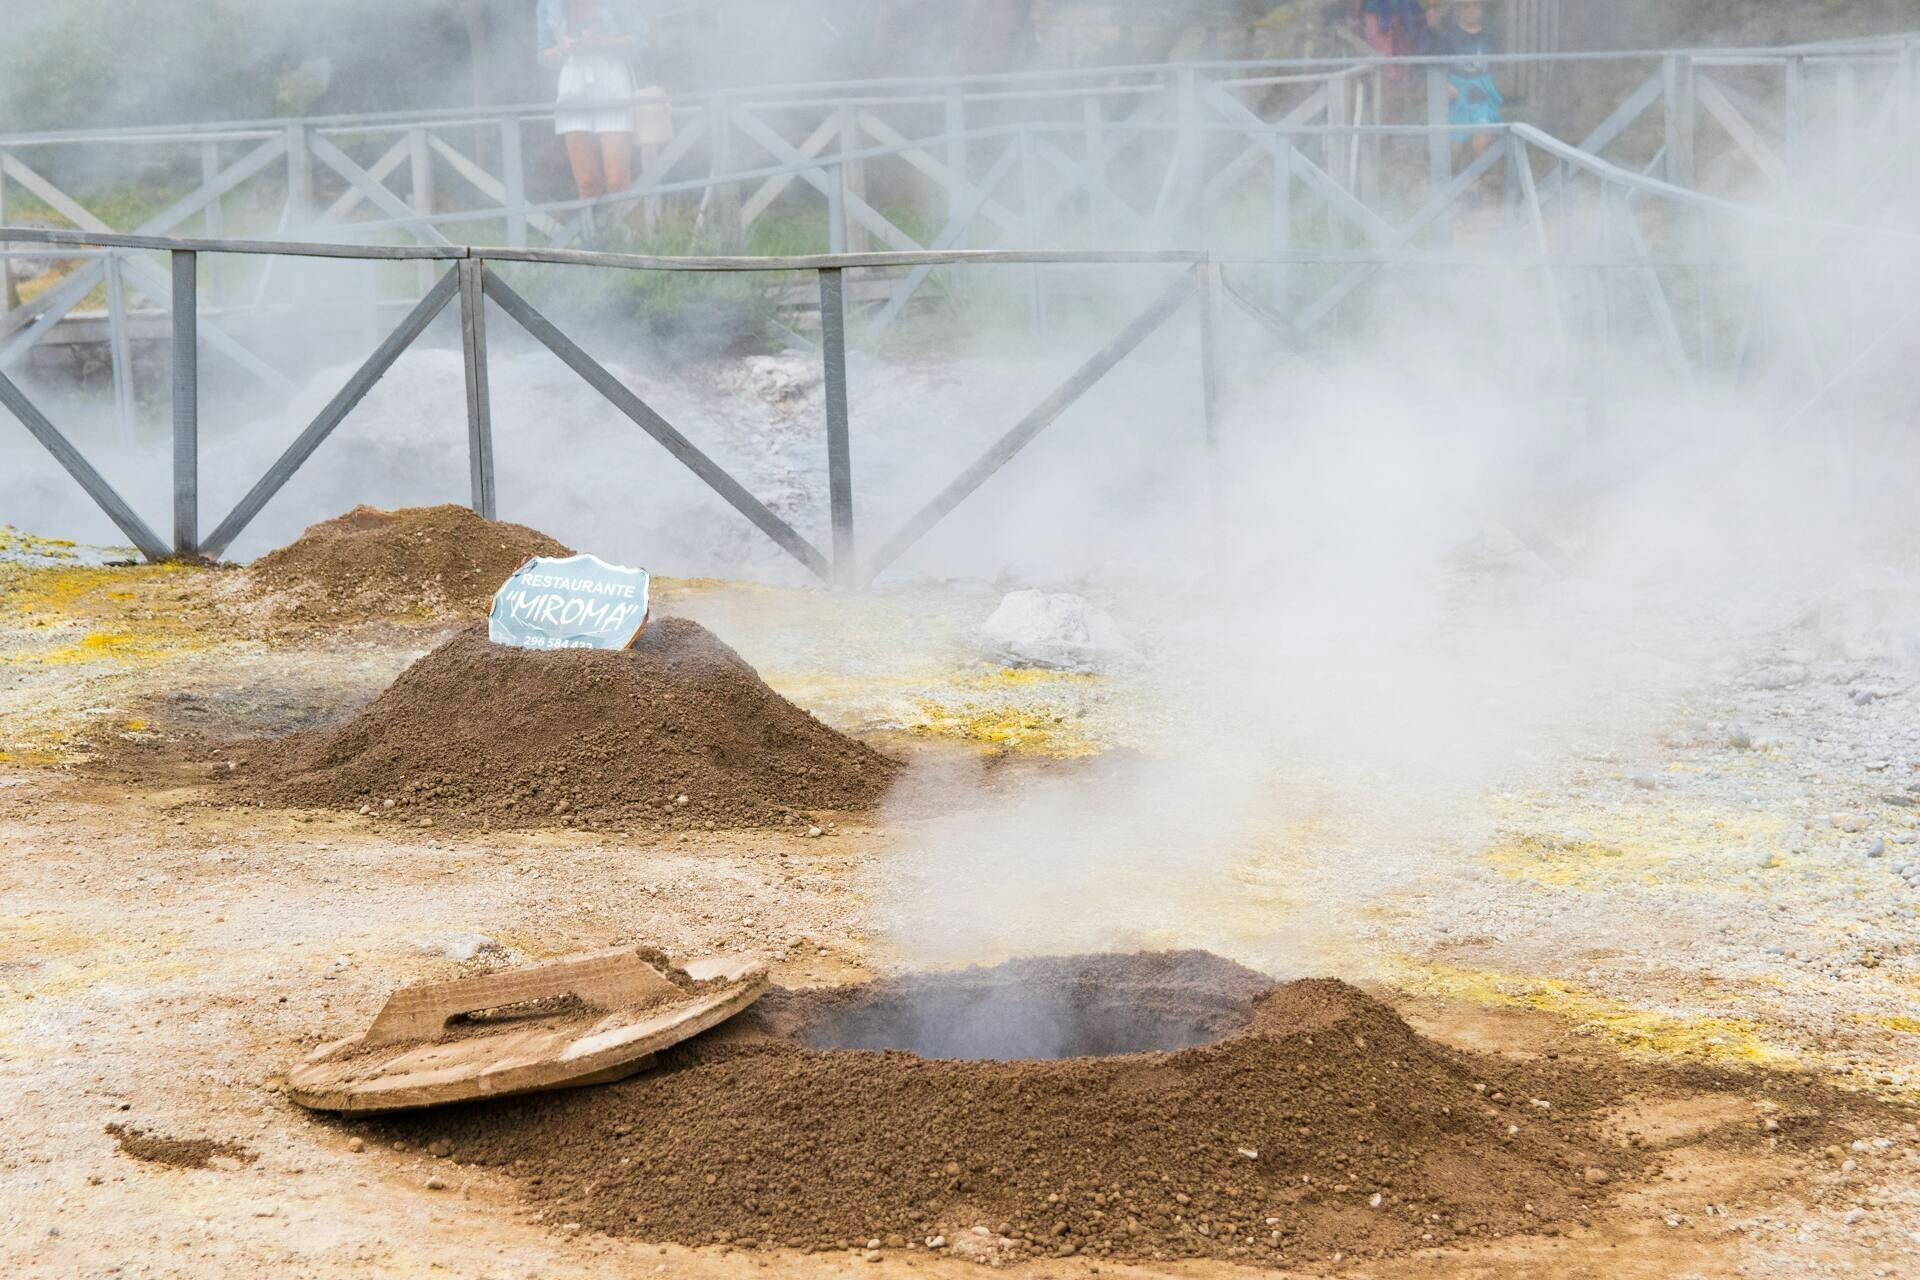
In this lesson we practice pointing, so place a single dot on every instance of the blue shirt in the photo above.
(610, 18)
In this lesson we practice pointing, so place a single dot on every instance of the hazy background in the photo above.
(1449, 549)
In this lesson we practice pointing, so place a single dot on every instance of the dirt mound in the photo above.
(372, 564)
(180, 1153)
(1322, 1125)
(676, 732)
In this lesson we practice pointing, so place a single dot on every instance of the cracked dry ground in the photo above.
(1727, 892)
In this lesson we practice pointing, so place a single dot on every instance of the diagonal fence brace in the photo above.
(350, 395)
(81, 470)
(1029, 428)
(717, 478)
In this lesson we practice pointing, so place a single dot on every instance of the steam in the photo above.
(1482, 524)
(1447, 571)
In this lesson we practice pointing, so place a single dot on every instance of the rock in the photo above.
(1740, 739)
(1645, 782)
(356, 1144)
(1596, 1176)
(440, 1150)
(1055, 632)
(436, 1183)
(1848, 821)
(1861, 697)
(462, 947)
(873, 1255)
(1877, 848)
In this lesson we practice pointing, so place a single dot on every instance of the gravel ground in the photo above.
(1730, 886)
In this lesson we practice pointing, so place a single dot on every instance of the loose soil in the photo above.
(371, 565)
(676, 733)
(180, 1153)
(1323, 1125)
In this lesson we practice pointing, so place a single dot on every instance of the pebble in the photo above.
(436, 1183)
(1646, 782)
(1596, 1176)
(814, 833)
(873, 1255)
(1876, 849)
(1373, 1201)
(1740, 739)
(1848, 821)
(356, 1144)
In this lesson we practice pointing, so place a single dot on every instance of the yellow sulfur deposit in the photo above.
(1710, 1038)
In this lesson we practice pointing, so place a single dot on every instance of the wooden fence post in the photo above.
(1439, 147)
(473, 341)
(186, 403)
(1682, 125)
(833, 351)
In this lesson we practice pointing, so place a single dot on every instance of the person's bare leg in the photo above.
(616, 155)
(583, 153)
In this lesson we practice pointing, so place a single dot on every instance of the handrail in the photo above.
(1606, 169)
(892, 260)
(837, 90)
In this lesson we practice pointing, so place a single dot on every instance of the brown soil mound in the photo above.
(479, 733)
(370, 564)
(1324, 1124)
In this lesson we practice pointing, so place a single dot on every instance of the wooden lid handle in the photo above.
(611, 978)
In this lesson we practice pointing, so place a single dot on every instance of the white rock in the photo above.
(1060, 632)
(461, 947)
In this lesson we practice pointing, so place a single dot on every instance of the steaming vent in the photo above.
(1043, 1009)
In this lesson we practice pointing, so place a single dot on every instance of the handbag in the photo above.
(652, 118)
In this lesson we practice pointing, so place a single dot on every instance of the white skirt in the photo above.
(596, 94)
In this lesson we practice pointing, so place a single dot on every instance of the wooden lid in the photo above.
(587, 1019)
